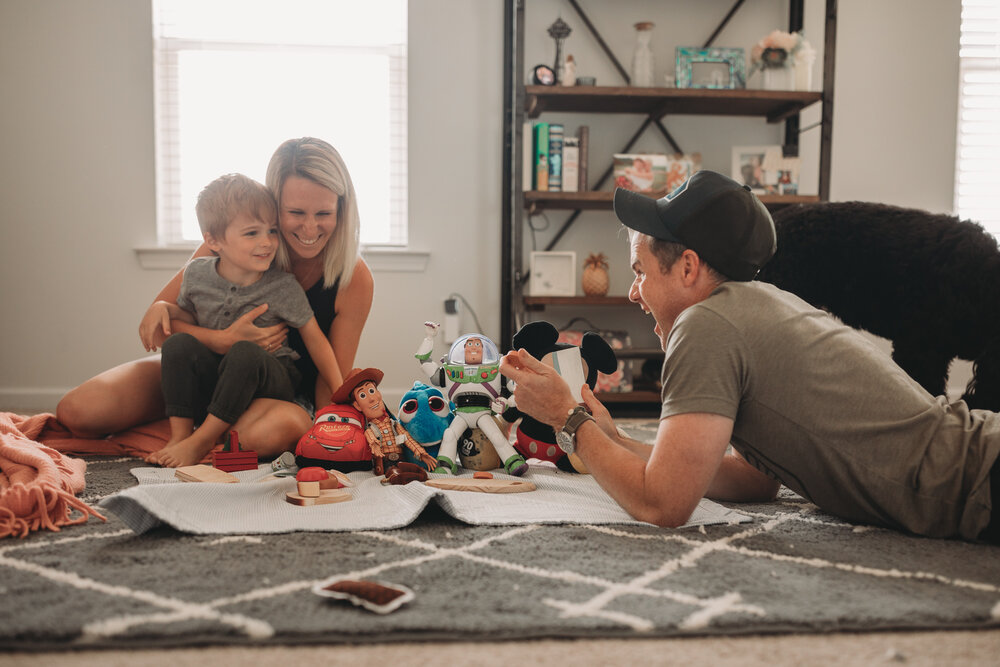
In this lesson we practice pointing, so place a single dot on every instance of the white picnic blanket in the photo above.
(257, 504)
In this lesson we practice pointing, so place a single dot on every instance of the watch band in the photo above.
(566, 437)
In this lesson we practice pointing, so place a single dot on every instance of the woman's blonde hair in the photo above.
(319, 162)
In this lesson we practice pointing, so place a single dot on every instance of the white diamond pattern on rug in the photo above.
(793, 569)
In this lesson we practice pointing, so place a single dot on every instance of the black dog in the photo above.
(930, 283)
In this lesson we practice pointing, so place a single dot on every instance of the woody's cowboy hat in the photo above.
(353, 379)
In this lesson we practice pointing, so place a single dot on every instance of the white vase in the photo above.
(804, 60)
(778, 78)
(642, 57)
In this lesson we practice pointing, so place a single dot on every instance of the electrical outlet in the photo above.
(452, 319)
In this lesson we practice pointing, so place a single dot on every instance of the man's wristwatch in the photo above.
(566, 438)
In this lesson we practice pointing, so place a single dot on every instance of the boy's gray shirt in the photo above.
(818, 406)
(216, 303)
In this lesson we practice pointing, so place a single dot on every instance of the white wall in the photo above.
(77, 181)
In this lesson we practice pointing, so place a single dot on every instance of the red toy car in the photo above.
(336, 440)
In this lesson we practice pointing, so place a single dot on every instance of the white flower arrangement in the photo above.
(777, 50)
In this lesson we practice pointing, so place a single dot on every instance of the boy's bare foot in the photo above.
(186, 452)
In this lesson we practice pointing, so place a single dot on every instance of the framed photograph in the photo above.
(640, 172)
(749, 166)
(552, 274)
(766, 170)
(714, 67)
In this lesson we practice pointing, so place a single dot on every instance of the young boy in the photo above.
(238, 220)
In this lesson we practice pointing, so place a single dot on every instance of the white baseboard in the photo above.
(31, 400)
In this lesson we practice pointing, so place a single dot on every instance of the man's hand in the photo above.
(431, 329)
(600, 413)
(540, 391)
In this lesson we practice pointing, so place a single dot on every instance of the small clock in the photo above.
(543, 75)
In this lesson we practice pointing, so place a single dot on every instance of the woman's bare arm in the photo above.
(352, 308)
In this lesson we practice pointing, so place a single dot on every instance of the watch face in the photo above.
(565, 442)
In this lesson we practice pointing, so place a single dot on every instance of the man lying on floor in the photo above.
(804, 400)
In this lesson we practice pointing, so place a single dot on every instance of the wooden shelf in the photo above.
(598, 200)
(612, 397)
(774, 105)
(639, 353)
(539, 302)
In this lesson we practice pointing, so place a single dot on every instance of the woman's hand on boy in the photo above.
(155, 325)
(270, 338)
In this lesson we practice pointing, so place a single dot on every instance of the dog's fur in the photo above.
(929, 283)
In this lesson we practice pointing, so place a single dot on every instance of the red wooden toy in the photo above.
(232, 458)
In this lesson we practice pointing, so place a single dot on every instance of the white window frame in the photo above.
(167, 105)
(977, 169)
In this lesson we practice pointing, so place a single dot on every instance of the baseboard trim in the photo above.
(30, 400)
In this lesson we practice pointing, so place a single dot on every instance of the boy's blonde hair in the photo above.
(319, 162)
(226, 197)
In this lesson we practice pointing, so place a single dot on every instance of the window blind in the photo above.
(977, 174)
(235, 78)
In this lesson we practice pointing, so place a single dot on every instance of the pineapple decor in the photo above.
(595, 274)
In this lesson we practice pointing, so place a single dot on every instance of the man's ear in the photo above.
(691, 266)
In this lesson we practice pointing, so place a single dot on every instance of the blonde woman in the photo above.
(318, 220)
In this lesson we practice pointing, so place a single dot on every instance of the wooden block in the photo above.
(308, 489)
(481, 485)
(232, 461)
(339, 477)
(204, 473)
(325, 497)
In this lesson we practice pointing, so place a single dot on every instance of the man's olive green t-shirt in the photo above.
(820, 407)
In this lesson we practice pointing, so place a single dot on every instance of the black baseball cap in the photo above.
(718, 218)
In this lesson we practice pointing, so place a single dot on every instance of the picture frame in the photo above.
(640, 172)
(713, 67)
(553, 273)
(766, 170)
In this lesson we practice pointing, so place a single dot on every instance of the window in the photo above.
(978, 168)
(235, 78)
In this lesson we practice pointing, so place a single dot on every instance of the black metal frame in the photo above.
(513, 199)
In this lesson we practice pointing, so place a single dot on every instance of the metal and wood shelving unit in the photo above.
(654, 105)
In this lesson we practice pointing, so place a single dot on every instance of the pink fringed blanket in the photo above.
(38, 485)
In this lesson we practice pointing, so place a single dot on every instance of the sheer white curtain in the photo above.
(977, 175)
(235, 78)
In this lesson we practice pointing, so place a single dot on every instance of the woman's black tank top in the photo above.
(323, 302)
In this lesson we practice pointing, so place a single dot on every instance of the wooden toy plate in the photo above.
(482, 485)
(326, 496)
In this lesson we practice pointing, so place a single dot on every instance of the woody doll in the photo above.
(385, 435)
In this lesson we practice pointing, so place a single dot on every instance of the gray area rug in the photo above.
(791, 569)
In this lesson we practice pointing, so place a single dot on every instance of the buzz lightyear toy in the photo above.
(471, 373)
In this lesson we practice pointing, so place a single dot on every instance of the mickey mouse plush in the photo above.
(540, 340)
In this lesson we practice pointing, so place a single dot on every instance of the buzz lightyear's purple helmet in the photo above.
(456, 355)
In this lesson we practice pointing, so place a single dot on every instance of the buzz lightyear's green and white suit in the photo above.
(474, 388)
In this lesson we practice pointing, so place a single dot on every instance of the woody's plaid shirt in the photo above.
(385, 443)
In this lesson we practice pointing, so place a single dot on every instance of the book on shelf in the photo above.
(541, 157)
(571, 164)
(583, 135)
(527, 156)
(555, 157)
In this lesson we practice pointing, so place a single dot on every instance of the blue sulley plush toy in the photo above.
(426, 414)
(540, 339)
(471, 372)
